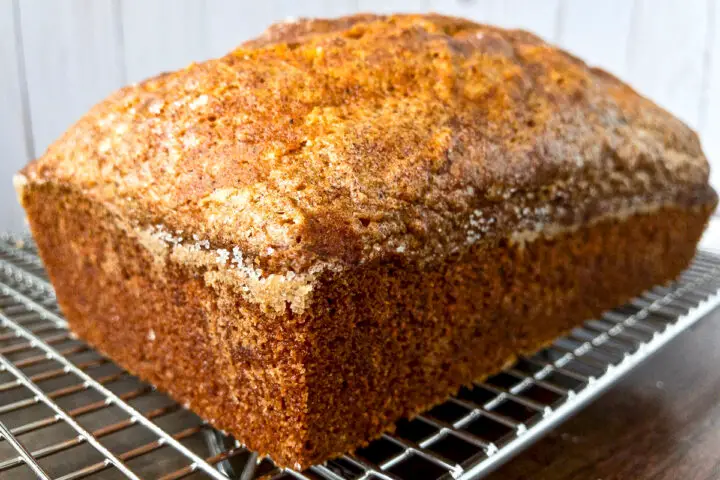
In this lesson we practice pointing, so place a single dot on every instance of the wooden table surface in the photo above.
(662, 421)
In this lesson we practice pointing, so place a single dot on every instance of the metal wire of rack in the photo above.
(66, 412)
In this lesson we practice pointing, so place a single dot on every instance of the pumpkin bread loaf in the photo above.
(341, 222)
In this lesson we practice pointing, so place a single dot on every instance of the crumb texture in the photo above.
(365, 137)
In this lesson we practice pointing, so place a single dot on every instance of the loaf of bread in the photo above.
(342, 221)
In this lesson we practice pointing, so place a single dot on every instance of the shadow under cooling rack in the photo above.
(67, 413)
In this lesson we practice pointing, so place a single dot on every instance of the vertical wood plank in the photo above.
(73, 59)
(393, 6)
(230, 22)
(710, 118)
(314, 8)
(666, 54)
(538, 16)
(15, 142)
(162, 35)
(598, 32)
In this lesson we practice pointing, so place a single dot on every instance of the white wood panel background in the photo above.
(58, 58)
(175, 30)
(672, 70)
(15, 135)
(710, 113)
(73, 58)
(540, 17)
(597, 31)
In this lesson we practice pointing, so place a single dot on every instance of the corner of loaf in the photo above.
(230, 269)
(341, 222)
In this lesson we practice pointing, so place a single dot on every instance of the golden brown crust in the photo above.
(343, 141)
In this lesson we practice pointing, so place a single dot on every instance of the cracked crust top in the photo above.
(343, 141)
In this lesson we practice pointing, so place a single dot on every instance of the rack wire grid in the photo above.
(67, 413)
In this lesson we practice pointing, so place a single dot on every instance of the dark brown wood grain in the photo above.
(662, 421)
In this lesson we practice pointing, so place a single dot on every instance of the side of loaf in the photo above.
(343, 221)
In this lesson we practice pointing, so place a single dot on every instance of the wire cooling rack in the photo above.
(67, 413)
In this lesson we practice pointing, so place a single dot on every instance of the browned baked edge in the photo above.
(380, 342)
